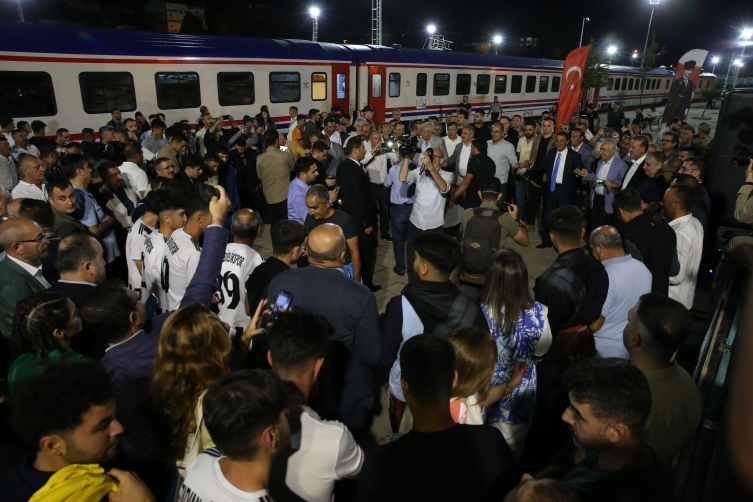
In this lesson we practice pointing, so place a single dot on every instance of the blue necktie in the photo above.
(554, 173)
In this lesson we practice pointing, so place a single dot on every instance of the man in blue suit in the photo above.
(560, 166)
(609, 175)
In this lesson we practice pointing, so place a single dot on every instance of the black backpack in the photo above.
(480, 240)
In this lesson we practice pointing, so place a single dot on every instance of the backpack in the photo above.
(480, 240)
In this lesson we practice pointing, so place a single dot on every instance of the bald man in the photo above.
(13, 207)
(541, 490)
(629, 279)
(21, 270)
(324, 289)
(670, 169)
(31, 186)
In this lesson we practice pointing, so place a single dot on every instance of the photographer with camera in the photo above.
(430, 140)
(377, 163)
(402, 196)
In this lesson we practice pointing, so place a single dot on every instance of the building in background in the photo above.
(172, 14)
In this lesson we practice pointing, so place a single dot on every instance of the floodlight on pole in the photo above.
(745, 34)
(431, 29)
(497, 40)
(715, 60)
(611, 50)
(582, 27)
(653, 4)
(314, 11)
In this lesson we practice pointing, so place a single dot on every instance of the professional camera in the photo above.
(388, 145)
(409, 146)
(114, 152)
(741, 156)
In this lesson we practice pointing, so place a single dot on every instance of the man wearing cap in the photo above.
(681, 93)
(368, 114)
(616, 118)
(702, 141)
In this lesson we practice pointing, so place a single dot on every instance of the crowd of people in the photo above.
(151, 353)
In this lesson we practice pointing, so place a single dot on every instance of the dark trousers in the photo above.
(560, 197)
(533, 203)
(521, 198)
(494, 117)
(367, 248)
(277, 212)
(413, 232)
(599, 215)
(400, 215)
(381, 195)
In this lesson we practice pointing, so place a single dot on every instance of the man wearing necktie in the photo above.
(609, 175)
(560, 166)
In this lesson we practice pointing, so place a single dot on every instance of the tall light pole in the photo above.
(582, 27)
(653, 3)
(634, 57)
(611, 50)
(376, 22)
(20, 11)
(315, 16)
(497, 41)
(746, 34)
(714, 60)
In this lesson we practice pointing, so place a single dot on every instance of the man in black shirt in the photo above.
(480, 131)
(419, 465)
(616, 118)
(541, 146)
(480, 167)
(592, 116)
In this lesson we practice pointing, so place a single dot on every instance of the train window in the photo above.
(394, 85)
(543, 84)
(666, 86)
(517, 84)
(177, 90)
(482, 83)
(341, 83)
(27, 94)
(421, 84)
(624, 84)
(376, 85)
(284, 87)
(610, 84)
(235, 88)
(318, 86)
(463, 84)
(441, 84)
(101, 92)
(630, 84)
(556, 84)
(500, 84)
(531, 83)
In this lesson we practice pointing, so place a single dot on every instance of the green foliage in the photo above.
(649, 59)
(192, 24)
(596, 73)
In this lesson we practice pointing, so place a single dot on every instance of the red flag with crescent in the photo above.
(572, 78)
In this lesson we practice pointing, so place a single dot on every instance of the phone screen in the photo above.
(284, 148)
(151, 305)
(284, 299)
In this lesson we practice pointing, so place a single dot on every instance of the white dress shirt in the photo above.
(28, 191)
(631, 171)
(601, 174)
(450, 144)
(8, 172)
(428, 209)
(689, 233)
(465, 156)
(561, 167)
(30, 150)
(35, 272)
(134, 177)
(9, 137)
(503, 155)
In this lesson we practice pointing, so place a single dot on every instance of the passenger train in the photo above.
(73, 77)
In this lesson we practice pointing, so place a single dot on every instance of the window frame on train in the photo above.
(630, 84)
(624, 84)
(341, 78)
(462, 87)
(234, 91)
(422, 83)
(666, 86)
(394, 85)
(500, 84)
(319, 84)
(610, 84)
(87, 88)
(376, 85)
(161, 97)
(272, 84)
(530, 84)
(447, 85)
(13, 108)
(516, 83)
(544, 83)
(483, 83)
(556, 82)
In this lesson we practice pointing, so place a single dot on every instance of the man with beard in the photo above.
(610, 401)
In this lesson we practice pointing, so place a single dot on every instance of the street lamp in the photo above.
(431, 29)
(611, 50)
(497, 41)
(746, 34)
(582, 27)
(714, 60)
(653, 4)
(634, 57)
(315, 16)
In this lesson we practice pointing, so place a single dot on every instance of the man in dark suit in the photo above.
(190, 172)
(81, 265)
(636, 173)
(356, 200)
(346, 376)
(680, 94)
(560, 180)
(243, 160)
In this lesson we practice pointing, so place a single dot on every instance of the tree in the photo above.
(596, 72)
(192, 24)
(710, 95)
(649, 59)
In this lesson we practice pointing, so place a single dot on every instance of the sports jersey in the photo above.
(154, 264)
(134, 249)
(205, 482)
(239, 261)
(182, 255)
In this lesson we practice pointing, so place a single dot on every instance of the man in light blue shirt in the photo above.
(629, 279)
(502, 152)
(305, 175)
(402, 196)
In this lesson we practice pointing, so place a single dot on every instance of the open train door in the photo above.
(340, 84)
(376, 92)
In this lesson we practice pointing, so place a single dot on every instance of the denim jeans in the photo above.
(521, 197)
(400, 218)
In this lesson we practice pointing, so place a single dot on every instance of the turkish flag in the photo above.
(572, 78)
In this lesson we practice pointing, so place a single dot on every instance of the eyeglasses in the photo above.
(667, 141)
(38, 239)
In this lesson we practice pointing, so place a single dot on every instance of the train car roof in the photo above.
(406, 55)
(58, 39)
(630, 70)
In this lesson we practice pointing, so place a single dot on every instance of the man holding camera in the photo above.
(432, 186)
(377, 163)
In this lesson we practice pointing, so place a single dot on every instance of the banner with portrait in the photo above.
(684, 84)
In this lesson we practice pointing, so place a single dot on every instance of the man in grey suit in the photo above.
(609, 175)
(578, 143)
(346, 377)
(429, 140)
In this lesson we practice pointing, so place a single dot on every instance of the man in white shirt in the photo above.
(629, 279)
(134, 177)
(322, 451)
(451, 139)
(677, 203)
(172, 216)
(502, 152)
(377, 165)
(8, 171)
(293, 111)
(136, 245)
(22, 145)
(458, 161)
(7, 125)
(31, 186)
(245, 414)
(182, 249)
(432, 186)
(239, 261)
(523, 150)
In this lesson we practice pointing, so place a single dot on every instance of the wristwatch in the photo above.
(520, 223)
